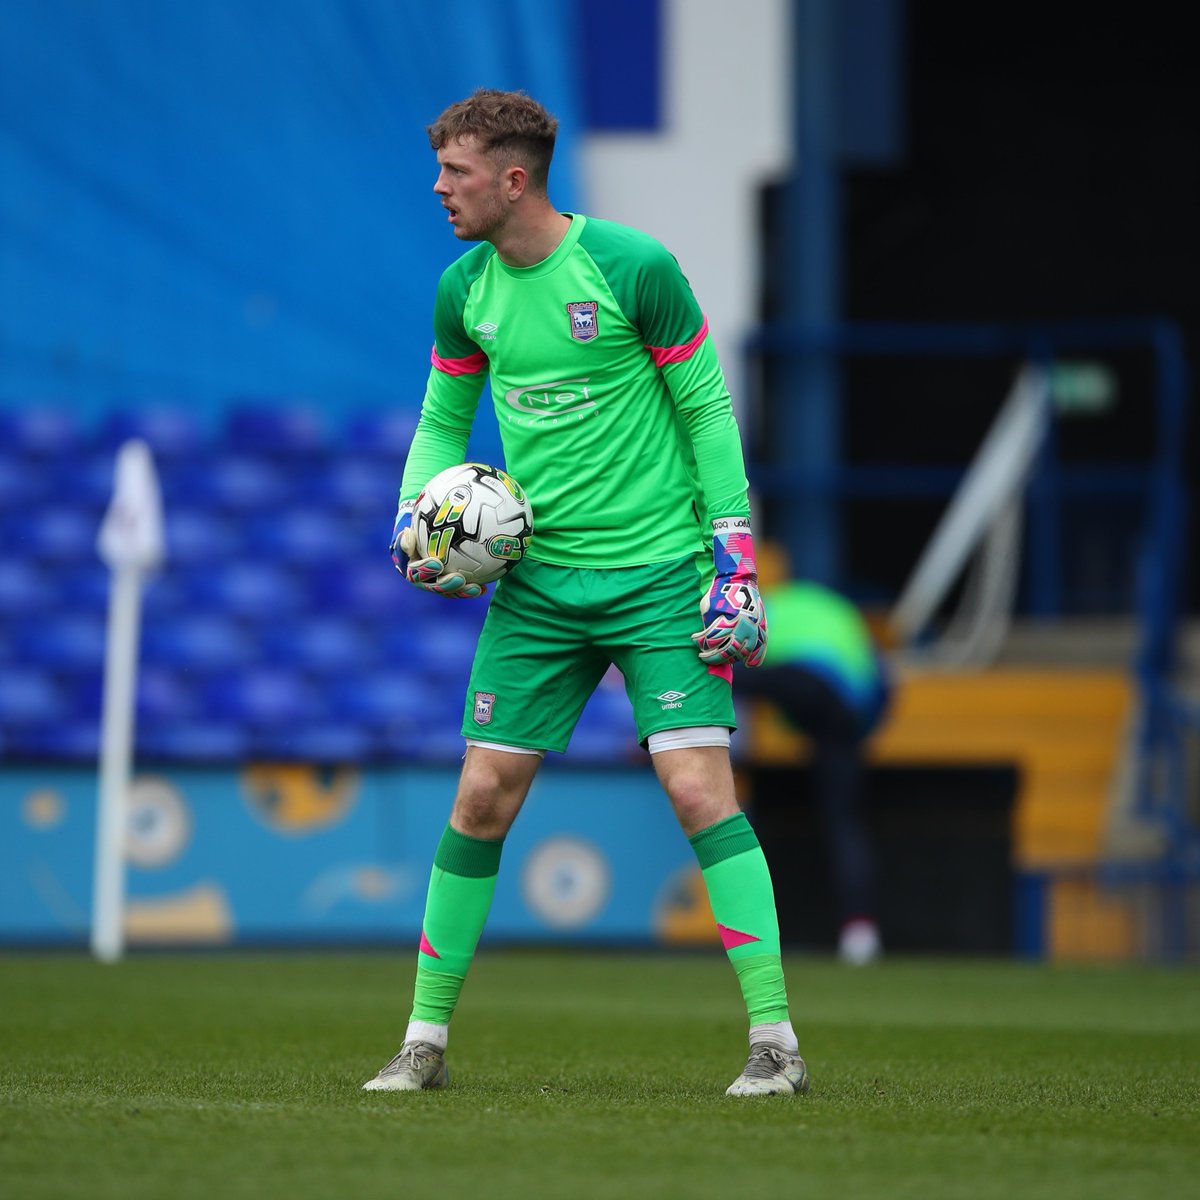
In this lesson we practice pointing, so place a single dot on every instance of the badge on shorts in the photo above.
(483, 707)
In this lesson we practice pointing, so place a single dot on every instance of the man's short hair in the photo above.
(511, 127)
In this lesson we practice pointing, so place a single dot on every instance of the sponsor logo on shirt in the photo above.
(487, 330)
(553, 401)
(583, 320)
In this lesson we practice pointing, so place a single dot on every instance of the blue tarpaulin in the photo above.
(233, 197)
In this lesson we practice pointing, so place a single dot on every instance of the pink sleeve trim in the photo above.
(663, 355)
(471, 365)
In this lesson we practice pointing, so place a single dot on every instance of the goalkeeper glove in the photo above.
(735, 622)
(426, 573)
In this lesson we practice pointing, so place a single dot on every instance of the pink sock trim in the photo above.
(426, 948)
(734, 937)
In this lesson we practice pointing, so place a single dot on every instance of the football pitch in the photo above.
(594, 1075)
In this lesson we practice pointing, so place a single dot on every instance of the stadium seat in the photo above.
(40, 431)
(385, 433)
(386, 696)
(172, 431)
(69, 741)
(25, 587)
(202, 642)
(438, 635)
(321, 645)
(262, 696)
(85, 479)
(355, 485)
(298, 535)
(29, 698)
(165, 696)
(237, 482)
(200, 536)
(325, 742)
(22, 482)
(247, 589)
(55, 534)
(363, 587)
(194, 741)
(57, 639)
(280, 430)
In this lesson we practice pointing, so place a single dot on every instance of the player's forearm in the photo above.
(703, 402)
(442, 432)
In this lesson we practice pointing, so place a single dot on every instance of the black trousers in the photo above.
(812, 706)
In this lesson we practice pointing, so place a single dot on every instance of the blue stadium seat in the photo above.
(237, 482)
(356, 485)
(322, 742)
(165, 696)
(385, 433)
(386, 696)
(438, 635)
(247, 589)
(278, 429)
(200, 536)
(84, 479)
(68, 740)
(25, 587)
(60, 639)
(30, 698)
(263, 696)
(202, 642)
(299, 535)
(321, 645)
(55, 534)
(172, 431)
(364, 587)
(194, 741)
(22, 482)
(40, 431)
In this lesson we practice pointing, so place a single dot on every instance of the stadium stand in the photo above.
(276, 629)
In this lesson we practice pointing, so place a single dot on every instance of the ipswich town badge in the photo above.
(583, 320)
(483, 707)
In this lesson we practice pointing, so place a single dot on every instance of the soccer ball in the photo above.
(476, 519)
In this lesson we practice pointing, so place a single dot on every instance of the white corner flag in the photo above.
(131, 544)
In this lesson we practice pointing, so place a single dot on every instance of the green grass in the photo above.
(594, 1075)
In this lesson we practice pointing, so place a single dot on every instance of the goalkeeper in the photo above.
(616, 420)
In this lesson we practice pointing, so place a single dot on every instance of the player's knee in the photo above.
(699, 799)
(489, 796)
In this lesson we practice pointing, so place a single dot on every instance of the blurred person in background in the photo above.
(825, 673)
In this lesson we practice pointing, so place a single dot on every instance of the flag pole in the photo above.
(131, 543)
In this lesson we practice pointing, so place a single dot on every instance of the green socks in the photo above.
(743, 902)
(735, 872)
(461, 887)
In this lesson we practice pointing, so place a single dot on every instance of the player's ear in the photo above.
(514, 181)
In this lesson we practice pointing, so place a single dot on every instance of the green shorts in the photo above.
(551, 633)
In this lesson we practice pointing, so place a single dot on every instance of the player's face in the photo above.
(469, 186)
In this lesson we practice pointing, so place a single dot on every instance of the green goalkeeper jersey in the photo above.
(613, 411)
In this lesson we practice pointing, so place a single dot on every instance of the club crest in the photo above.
(583, 320)
(484, 702)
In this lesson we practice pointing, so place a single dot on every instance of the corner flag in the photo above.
(131, 544)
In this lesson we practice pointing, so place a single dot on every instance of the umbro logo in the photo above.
(487, 330)
(672, 699)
